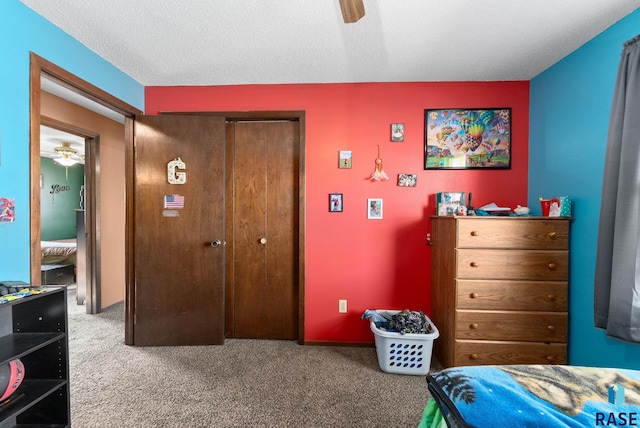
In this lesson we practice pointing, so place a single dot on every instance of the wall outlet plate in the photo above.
(342, 306)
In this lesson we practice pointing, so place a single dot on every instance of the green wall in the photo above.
(59, 198)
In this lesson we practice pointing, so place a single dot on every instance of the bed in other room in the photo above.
(59, 252)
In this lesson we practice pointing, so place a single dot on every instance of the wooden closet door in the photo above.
(262, 273)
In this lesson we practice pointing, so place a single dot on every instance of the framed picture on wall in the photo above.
(467, 138)
(397, 132)
(407, 180)
(374, 209)
(345, 157)
(335, 202)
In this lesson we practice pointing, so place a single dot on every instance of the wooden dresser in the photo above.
(499, 289)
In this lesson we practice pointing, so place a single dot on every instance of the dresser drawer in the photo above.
(56, 274)
(513, 233)
(548, 296)
(471, 352)
(506, 325)
(512, 264)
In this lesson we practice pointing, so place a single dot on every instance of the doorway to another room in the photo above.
(62, 217)
(61, 101)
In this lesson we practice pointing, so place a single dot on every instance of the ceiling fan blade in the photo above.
(352, 10)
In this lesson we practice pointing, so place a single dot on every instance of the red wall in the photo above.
(374, 264)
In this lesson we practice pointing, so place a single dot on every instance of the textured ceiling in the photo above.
(221, 42)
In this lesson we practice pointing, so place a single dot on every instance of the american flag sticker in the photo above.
(173, 201)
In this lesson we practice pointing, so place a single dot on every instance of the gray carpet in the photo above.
(256, 383)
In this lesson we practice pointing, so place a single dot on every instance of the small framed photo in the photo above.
(335, 202)
(344, 159)
(397, 132)
(374, 209)
(407, 180)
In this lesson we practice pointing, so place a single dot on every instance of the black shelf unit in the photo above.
(34, 329)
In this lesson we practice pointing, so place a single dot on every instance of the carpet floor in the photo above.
(257, 383)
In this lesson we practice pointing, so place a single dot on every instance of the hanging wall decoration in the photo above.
(176, 173)
(378, 173)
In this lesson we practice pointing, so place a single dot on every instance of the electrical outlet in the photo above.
(342, 306)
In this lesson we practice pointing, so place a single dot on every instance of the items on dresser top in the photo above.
(499, 289)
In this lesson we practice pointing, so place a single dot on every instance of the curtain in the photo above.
(617, 272)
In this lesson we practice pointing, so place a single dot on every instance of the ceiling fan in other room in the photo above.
(67, 156)
(352, 10)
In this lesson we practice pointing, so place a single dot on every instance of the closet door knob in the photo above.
(263, 241)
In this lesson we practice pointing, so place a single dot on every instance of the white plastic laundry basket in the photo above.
(404, 353)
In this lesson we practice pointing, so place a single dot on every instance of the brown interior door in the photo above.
(178, 295)
(262, 289)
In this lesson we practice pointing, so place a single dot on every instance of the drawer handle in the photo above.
(473, 356)
(474, 233)
(473, 326)
(551, 328)
(474, 264)
(551, 297)
(473, 295)
(551, 235)
(550, 358)
(552, 266)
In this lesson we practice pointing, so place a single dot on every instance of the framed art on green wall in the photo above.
(467, 138)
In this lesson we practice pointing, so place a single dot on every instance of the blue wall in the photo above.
(22, 31)
(569, 118)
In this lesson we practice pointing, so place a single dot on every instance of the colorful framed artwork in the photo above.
(397, 132)
(467, 138)
(7, 210)
(335, 202)
(344, 160)
(407, 180)
(374, 209)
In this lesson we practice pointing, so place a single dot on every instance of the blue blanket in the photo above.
(536, 396)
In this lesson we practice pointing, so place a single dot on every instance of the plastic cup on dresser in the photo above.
(546, 205)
